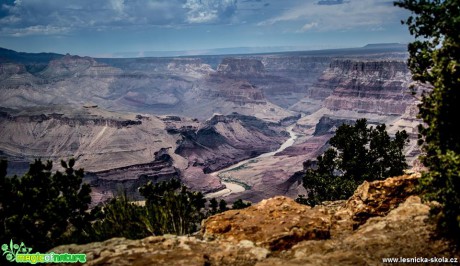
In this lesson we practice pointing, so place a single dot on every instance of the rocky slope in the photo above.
(124, 151)
(108, 183)
(373, 89)
(283, 79)
(225, 140)
(382, 219)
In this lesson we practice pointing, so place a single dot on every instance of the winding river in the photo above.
(233, 186)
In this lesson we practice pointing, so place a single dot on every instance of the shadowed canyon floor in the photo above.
(383, 219)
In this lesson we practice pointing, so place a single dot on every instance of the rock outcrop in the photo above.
(13, 76)
(380, 197)
(107, 184)
(279, 231)
(168, 250)
(405, 232)
(277, 224)
(194, 67)
(76, 66)
(240, 67)
(370, 86)
(328, 125)
(236, 91)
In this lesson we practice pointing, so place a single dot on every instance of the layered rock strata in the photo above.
(374, 87)
(124, 151)
(110, 183)
(225, 140)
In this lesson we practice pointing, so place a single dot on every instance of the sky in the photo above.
(113, 28)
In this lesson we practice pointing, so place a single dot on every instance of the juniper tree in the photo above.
(357, 153)
(435, 61)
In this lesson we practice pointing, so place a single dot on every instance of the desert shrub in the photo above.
(119, 218)
(172, 208)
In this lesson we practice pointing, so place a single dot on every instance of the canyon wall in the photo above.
(349, 89)
(379, 87)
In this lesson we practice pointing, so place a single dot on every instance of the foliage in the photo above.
(217, 207)
(44, 209)
(358, 153)
(119, 218)
(435, 60)
(172, 208)
(239, 204)
(223, 205)
(213, 206)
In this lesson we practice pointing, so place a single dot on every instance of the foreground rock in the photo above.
(168, 250)
(379, 197)
(389, 222)
(405, 232)
(277, 224)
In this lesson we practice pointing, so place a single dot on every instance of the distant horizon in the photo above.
(220, 51)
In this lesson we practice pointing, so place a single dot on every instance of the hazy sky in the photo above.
(106, 27)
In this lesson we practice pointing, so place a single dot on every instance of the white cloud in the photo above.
(9, 20)
(118, 5)
(364, 14)
(309, 26)
(73, 15)
(206, 11)
(35, 30)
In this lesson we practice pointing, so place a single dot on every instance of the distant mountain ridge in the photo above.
(45, 57)
(22, 57)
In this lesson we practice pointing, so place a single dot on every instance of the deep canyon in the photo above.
(128, 121)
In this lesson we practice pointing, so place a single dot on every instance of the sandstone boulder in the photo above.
(405, 232)
(277, 223)
(377, 198)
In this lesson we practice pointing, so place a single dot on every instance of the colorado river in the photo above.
(234, 187)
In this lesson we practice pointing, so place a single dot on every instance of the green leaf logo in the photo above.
(13, 249)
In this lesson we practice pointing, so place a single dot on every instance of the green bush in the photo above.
(358, 153)
(216, 207)
(119, 218)
(172, 208)
(43, 209)
(239, 204)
